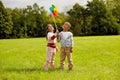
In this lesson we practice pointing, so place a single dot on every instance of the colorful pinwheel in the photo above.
(54, 10)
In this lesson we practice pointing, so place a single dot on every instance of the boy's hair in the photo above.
(67, 23)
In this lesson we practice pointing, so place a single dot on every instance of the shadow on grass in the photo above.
(24, 70)
(38, 70)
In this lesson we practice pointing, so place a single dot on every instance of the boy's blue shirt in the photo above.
(66, 39)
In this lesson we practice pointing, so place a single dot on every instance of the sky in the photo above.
(63, 5)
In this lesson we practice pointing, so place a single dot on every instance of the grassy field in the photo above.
(95, 58)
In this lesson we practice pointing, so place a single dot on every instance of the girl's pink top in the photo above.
(51, 40)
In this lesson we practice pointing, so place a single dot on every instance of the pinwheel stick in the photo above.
(55, 22)
(54, 12)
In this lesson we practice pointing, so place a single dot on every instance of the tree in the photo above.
(116, 14)
(77, 18)
(95, 19)
(102, 20)
(111, 4)
(6, 24)
(18, 23)
(30, 21)
(42, 20)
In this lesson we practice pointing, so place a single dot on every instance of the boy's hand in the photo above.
(56, 49)
(71, 50)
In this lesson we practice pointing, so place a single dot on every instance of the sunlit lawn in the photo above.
(95, 58)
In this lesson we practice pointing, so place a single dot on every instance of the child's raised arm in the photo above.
(57, 33)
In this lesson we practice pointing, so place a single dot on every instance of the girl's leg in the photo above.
(52, 60)
(48, 57)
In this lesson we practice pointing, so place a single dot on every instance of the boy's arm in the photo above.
(72, 41)
(71, 49)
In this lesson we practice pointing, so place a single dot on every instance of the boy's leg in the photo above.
(62, 57)
(69, 57)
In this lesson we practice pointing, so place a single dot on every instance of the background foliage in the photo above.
(98, 17)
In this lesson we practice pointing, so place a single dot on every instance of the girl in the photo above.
(51, 47)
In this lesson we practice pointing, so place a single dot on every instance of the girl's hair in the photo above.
(47, 30)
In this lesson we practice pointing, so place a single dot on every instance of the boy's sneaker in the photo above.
(52, 66)
(61, 68)
(70, 68)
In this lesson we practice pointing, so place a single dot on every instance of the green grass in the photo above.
(94, 58)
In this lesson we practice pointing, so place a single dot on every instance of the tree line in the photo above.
(98, 17)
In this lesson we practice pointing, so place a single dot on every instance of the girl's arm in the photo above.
(57, 33)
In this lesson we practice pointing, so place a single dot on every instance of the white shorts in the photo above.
(50, 54)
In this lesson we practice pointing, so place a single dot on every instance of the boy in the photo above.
(66, 41)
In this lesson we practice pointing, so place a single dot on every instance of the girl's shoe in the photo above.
(46, 67)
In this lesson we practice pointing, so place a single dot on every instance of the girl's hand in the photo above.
(57, 31)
